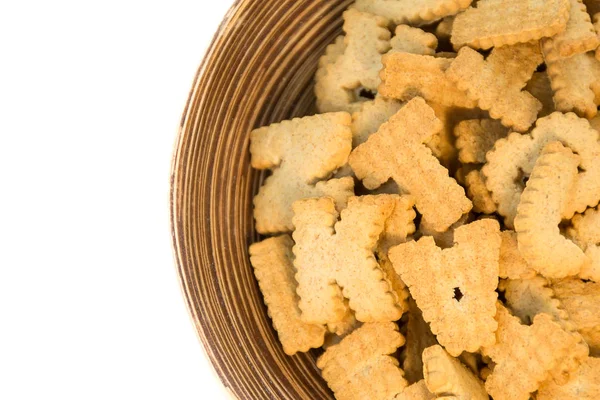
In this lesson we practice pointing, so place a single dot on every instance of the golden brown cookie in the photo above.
(475, 137)
(301, 154)
(447, 377)
(361, 366)
(455, 288)
(274, 271)
(526, 356)
(413, 12)
(581, 300)
(336, 260)
(540, 212)
(584, 385)
(354, 64)
(497, 83)
(513, 159)
(418, 338)
(396, 151)
(576, 84)
(578, 37)
(585, 231)
(507, 22)
(406, 76)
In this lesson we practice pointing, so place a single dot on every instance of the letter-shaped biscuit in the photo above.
(527, 298)
(530, 297)
(274, 271)
(455, 288)
(539, 214)
(585, 384)
(361, 367)
(333, 256)
(497, 82)
(513, 158)
(370, 116)
(578, 37)
(299, 152)
(506, 22)
(586, 233)
(576, 84)
(413, 40)
(512, 263)
(479, 194)
(355, 63)
(413, 12)
(446, 376)
(581, 300)
(525, 356)
(406, 76)
(397, 151)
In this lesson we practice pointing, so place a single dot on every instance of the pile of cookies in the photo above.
(436, 228)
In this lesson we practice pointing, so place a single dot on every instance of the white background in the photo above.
(90, 98)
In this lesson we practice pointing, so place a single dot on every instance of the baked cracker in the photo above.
(396, 151)
(578, 37)
(584, 385)
(512, 263)
(331, 253)
(447, 377)
(455, 288)
(585, 231)
(274, 271)
(370, 116)
(539, 214)
(497, 83)
(513, 159)
(507, 22)
(576, 84)
(530, 297)
(475, 137)
(405, 76)
(339, 75)
(301, 153)
(418, 338)
(416, 391)
(412, 12)
(581, 300)
(525, 356)
(443, 31)
(412, 40)
(479, 194)
(361, 367)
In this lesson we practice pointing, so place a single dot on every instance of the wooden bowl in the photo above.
(258, 70)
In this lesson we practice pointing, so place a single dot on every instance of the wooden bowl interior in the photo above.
(259, 70)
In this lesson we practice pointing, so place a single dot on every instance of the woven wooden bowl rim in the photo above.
(258, 70)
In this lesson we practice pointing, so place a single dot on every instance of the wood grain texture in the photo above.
(258, 70)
